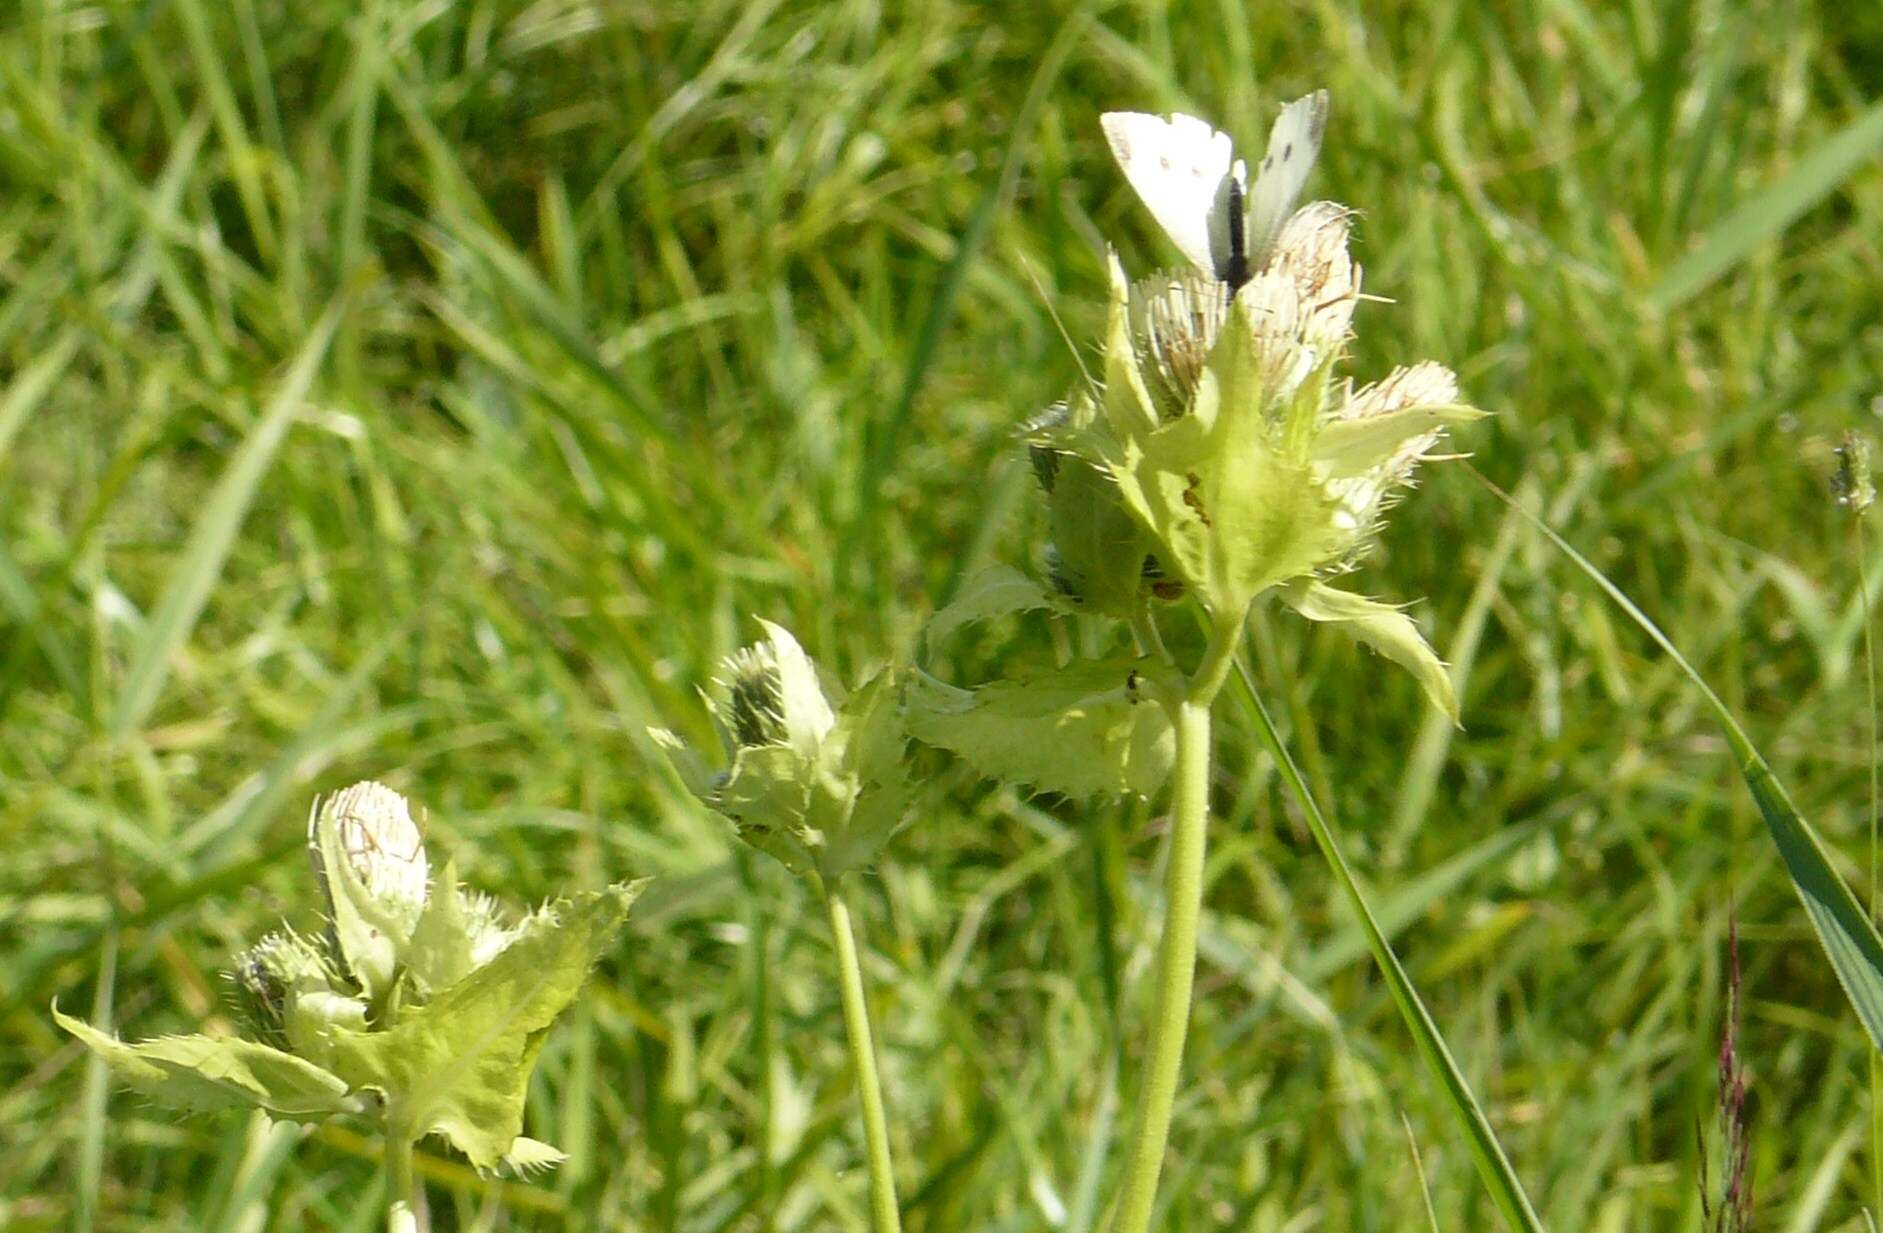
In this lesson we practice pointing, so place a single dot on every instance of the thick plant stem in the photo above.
(884, 1217)
(1176, 962)
(401, 1189)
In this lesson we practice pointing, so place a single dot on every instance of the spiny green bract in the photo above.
(420, 1005)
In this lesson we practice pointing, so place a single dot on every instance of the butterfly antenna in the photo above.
(1047, 303)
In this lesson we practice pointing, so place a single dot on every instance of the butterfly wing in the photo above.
(1292, 146)
(1180, 168)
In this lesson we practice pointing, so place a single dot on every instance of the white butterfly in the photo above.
(1187, 174)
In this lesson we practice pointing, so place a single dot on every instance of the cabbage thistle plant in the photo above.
(1219, 458)
(814, 778)
(420, 1006)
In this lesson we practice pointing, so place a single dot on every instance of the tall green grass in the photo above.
(651, 317)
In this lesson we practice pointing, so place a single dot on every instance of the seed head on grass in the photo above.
(1851, 483)
(1733, 1212)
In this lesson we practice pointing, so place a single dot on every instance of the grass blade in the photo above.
(1845, 929)
(210, 540)
(32, 384)
(1771, 209)
(883, 450)
(1494, 1167)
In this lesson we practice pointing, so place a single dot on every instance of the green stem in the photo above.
(1869, 678)
(1176, 967)
(856, 1020)
(1176, 950)
(1144, 632)
(401, 1186)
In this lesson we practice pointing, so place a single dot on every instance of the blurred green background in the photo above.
(435, 391)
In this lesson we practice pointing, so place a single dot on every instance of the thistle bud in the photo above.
(285, 989)
(383, 845)
(369, 858)
(753, 708)
(1097, 556)
(814, 777)
(769, 694)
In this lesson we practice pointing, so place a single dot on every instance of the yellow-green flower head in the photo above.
(1361, 497)
(814, 775)
(1298, 308)
(1224, 429)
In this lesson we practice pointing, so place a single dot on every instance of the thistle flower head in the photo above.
(1227, 437)
(1361, 497)
(1222, 432)
(1176, 317)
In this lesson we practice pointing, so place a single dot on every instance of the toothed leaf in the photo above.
(994, 592)
(217, 1072)
(440, 951)
(459, 1065)
(867, 785)
(687, 763)
(527, 1156)
(1353, 446)
(1075, 731)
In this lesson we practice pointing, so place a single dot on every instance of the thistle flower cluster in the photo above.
(420, 1003)
(813, 775)
(1222, 457)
